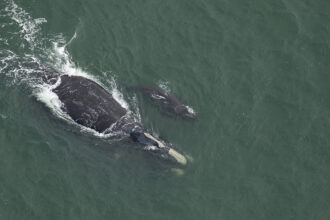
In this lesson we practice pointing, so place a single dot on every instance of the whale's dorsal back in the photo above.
(88, 103)
(168, 101)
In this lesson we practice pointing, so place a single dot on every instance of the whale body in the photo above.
(167, 101)
(88, 103)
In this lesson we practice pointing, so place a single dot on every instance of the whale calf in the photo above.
(168, 101)
(92, 106)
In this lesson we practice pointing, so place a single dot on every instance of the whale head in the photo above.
(157, 146)
(186, 112)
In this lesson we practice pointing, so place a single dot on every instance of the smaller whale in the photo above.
(167, 100)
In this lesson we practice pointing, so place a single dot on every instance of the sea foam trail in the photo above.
(164, 85)
(29, 27)
(24, 69)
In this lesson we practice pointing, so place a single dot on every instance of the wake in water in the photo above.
(41, 60)
(29, 28)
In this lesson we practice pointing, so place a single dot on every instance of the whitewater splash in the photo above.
(28, 27)
(29, 67)
(164, 85)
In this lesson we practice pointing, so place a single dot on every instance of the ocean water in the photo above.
(256, 73)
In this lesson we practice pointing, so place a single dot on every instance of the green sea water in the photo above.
(256, 73)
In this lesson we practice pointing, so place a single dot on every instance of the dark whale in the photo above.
(168, 101)
(92, 106)
(88, 103)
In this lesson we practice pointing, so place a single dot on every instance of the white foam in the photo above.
(62, 60)
(6, 56)
(117, 95)
(51, 100)
(164, 85)
(12, 67)
(29, 26)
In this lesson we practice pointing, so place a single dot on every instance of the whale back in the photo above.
(88, 103)
(168, 101)
(159, 96)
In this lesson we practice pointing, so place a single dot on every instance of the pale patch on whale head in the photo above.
(158, 97)
(186, 112)
(190, 110)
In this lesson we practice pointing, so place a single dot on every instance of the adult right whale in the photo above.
(168, 101)
(92, 106)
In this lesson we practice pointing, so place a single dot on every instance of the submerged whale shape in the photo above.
(92, 106)
(170, 102)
